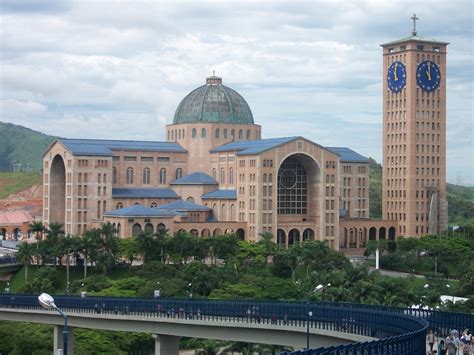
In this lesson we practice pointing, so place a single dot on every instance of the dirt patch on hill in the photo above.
(29, 200)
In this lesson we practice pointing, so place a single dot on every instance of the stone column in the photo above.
(166, 344)
(59, 340)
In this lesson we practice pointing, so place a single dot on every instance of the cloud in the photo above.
(122, 67)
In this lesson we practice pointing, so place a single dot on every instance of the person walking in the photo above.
(430, 339)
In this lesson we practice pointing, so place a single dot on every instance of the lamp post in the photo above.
(7, 288)
(46, 301)
(449, 286)
(309, 313)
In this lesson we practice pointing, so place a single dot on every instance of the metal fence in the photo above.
(400, 330)
(8, 260)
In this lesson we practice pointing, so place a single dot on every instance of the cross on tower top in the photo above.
(414, 18)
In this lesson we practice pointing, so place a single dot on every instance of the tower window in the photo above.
(203, 133)
(225, 133)
(436, 49)
(420, 47)
(194, 134)
(217, 132)
(391, 50)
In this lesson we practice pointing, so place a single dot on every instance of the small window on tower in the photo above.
(436, 49)
(391, 50)
(403, 48)
(420, 47)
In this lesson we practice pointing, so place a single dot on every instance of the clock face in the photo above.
(428, 75)
(396, 77)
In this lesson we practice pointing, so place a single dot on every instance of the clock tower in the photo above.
(414, 135)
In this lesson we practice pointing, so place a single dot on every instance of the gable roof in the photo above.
(253, 147)
(413, 38)
(144, 193)
(197, 178)
(221, 195)
(104, 147)
(183, 206)
(139, 211)
(348, 155)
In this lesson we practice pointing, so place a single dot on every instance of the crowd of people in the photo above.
(453, 344)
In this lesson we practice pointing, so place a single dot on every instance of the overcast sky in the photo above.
(118, 69)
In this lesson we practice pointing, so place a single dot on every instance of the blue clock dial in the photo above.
(396, 77)
(428, 75)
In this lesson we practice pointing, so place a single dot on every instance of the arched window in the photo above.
(114, 175)
(231, 175)
(119, 229)
(224, 212)
(225, 133)
(232, 212)
(183, 133)
(149, 228)
(153, 205)
(169, 135)
(179, 134)
(119, 206)
(179, 173)
(190, 199)
(232, 134)
(248, 134)
(146, 176)
(172, 135)
(98, 209)
(129, 175)
(214, 174)
(162, 176)
(194, 133)
(136, 229)
(222, 176)
(203, 133)
(241, 134)
(217, 132)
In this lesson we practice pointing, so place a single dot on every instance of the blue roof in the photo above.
(195, 179)
(181, 206)
(253, 147)
(348, 155)
(342, 212)
(144, 193)
(105, 147)
(139, 211)
(221, 195)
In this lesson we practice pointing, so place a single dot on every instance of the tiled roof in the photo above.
(195, 179)
(139, 211)
(348, 155)
(253, 147)
(144, 193)
(221, 195)
(105, 147)
(15, 218)
(414, 38)
(183, 206)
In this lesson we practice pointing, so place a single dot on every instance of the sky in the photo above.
(118, 69)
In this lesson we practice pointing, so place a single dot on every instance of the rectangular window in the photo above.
(147, 159)
(130, 158)
(164, 159)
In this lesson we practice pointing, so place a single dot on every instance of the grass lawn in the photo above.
(11, 183)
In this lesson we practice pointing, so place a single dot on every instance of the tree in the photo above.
(267, 241)
(144, 241)
(129, 249)
(24, 256)
(88, 246)
(38, 228)
(53, 233)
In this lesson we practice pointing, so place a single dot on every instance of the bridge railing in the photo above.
(8, 260)
(401, 330)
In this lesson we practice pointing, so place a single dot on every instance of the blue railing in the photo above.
(400, 330)
(8, 260)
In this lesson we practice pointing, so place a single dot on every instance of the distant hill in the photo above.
(460, 198)
(22, 146)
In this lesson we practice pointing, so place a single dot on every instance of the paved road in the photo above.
(395, 273)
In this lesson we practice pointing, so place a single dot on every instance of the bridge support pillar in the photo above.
(166, 344)
(59, 340)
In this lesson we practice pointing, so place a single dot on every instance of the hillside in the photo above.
(460, 198)
(21, 145)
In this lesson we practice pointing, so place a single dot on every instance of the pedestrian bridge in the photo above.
(332, 328)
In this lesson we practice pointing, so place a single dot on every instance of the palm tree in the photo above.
(53, 233)
(163, 240)
(145, 242)
(24, 255)
(38, 228)
(88, 245)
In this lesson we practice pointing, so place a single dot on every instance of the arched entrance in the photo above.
(382, 232)
(391, 233)
(136, 229)
(16, 233)
(205, 233)
(240, 234)
(229, 231)
(281, 238)
(149, 228)
(57, 191)
(293, 237)
(308, 235)
(373, 233)
(194, 233)
(160, 228)
(297, 185)
(217, 232)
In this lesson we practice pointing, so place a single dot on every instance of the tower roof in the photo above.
(213, 103)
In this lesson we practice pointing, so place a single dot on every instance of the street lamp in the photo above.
(318, 288)
(190, 295)
(7, 287)
(46, 301)
(449, 286)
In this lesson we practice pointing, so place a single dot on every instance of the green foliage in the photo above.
(12, 183)
(21, 145)
(375, 189)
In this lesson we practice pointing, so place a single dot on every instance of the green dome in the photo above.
(213, 103)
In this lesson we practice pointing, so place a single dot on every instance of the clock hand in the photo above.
(395, 72)
(428, 72)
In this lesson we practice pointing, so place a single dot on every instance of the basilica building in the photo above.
(213, 175)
